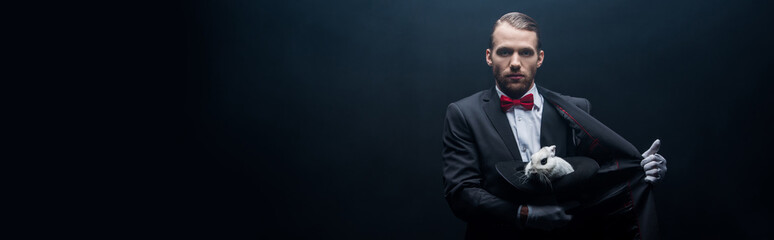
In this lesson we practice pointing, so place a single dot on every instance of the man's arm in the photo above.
(654, 164)
(462, 177)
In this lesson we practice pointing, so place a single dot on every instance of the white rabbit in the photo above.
(545, 165)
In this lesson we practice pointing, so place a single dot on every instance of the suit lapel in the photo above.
(553, 130)
(498, 119)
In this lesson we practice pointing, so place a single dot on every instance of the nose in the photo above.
(515, 61)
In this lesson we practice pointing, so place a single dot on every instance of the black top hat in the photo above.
(584, 167)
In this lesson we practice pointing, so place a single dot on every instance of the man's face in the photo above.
(514, 59)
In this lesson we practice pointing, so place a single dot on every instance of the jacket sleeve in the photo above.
(462, 176)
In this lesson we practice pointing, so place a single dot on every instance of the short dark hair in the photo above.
(519, 21)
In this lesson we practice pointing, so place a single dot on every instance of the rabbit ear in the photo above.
(553, 148)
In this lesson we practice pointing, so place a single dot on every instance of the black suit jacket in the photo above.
(477, 135)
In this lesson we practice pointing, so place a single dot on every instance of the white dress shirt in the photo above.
(526, 124)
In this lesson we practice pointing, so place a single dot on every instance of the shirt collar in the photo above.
(533, 90)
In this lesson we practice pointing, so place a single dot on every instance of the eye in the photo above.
(504, 52)
(544, 161)
(525, 53)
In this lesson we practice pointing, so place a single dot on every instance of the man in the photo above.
(513, 120)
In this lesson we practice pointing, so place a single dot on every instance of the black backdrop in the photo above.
(320, 119)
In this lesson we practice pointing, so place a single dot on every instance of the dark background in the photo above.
(320, 119)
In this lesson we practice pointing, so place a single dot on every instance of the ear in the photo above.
(540, 58)
(553, 148)
(489, 57)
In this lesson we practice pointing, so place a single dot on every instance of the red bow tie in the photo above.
(527, 102)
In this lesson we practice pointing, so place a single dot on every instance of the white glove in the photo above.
(654, 164)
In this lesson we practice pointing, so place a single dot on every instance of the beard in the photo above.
(514, 88)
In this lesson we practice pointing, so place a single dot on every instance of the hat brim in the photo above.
(513, 172)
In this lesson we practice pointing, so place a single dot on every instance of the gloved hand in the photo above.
(654, 164)
(547, 217)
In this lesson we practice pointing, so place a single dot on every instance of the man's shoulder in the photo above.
(472, 100)
(577, 101)
(573, 99)
(473, 97)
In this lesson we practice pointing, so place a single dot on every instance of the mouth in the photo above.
(515, 76)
